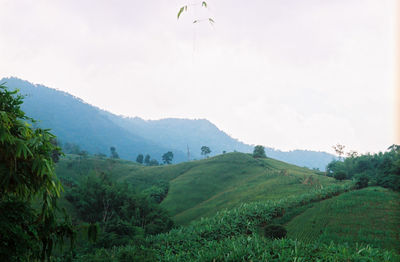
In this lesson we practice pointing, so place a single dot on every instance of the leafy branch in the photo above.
(185, 8)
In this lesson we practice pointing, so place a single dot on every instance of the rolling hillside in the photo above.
(203, 187)
(238, 196)
(368, 216)
(95, 130)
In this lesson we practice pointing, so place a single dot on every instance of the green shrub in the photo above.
(18, 232)
(275, 231)
(362, 181)
(340, 176)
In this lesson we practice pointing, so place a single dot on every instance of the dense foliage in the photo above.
(205, 150)
(259, 152)
(381, 169)
(27, 173)
(25, 153)
(122, 214)
(231, 235)
(248, 248)
(167, 157)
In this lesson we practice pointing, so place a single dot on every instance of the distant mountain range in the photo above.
(95, 130)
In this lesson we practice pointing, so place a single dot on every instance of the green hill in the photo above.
(369, 216)
(238, 196)
(204, 187)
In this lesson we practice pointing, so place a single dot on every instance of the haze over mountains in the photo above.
(95, 130)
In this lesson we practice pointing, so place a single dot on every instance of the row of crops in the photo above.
(370, 215)
(250, 248)
(231, 235)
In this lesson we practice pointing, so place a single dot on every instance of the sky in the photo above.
(285, 74)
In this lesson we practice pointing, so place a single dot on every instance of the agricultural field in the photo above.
(231, 235)
(204, 187)
(368, 216)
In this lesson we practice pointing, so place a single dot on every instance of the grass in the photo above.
(368, 216)
(202, 188)
(232, 179)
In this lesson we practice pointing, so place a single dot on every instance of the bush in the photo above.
(275, 231)
(18, 231)
(362, 181)
(340, 176)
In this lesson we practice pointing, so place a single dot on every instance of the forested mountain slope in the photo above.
(95, 130)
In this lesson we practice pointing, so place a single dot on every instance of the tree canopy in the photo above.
(139, 159)
(381, 169)
(27, 171)
(205, 150)
(259, 152)
(167, 157)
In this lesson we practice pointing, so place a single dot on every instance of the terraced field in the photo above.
(369, 216)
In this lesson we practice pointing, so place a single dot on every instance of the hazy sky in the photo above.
(286, 74)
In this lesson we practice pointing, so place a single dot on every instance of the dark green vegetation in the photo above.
(27, 174)
(231, 235)
(275, 231)
(122, 215)
(382, 169)
(234, 206)
(167, 157)
(259, 152)
(209, 185)
(369, 216)
(275, 192)
(95, 130)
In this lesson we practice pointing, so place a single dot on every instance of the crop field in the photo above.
(203, 187)
(368, 216)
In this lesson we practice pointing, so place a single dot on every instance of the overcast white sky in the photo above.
(287, 74)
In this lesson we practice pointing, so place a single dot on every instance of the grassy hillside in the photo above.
(240, 195)
(231, 179)
(203, 187)
(369, 216)
(231, 235)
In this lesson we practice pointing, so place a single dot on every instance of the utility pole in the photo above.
(188, 152)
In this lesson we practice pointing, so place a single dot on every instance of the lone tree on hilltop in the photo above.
(114, 153)
(139, 159)
(205, 150)
(259, 152)
(167, 157)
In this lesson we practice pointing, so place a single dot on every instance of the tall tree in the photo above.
(139, 159)
(167, 157)
(259, 152)
(205, 150)
(147, 159)
(114, 153)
